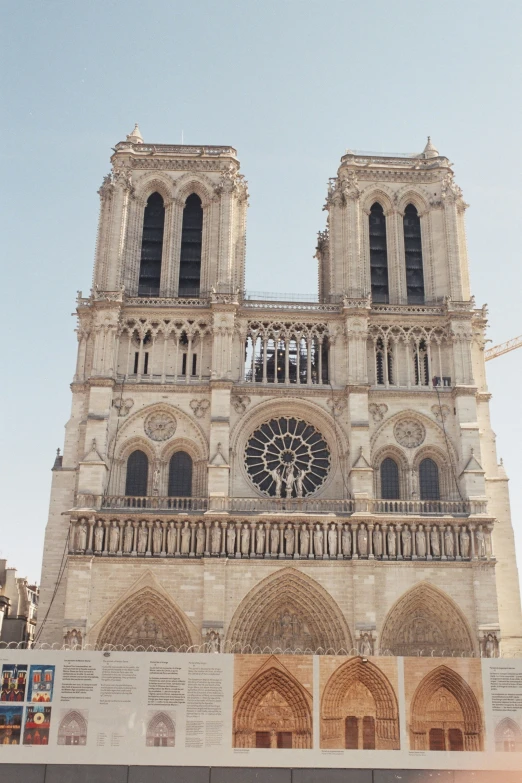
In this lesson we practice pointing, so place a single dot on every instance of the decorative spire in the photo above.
(135, 137)
(430, 151)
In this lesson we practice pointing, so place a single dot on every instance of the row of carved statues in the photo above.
(319, 540)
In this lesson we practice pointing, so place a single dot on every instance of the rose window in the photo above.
(287, 457)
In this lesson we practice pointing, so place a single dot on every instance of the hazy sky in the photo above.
(290, 85)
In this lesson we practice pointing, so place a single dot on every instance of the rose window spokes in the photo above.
(287, 457)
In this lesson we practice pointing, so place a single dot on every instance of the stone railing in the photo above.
(262, 505)
(279, 539)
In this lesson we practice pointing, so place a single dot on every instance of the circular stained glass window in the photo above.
(287, 457)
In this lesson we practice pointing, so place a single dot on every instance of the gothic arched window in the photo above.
(413, 253)
(180, 475)
(378, 254)
(152, 247)
(380, 366)
(429, 480)
(137, 474)
(191, 243)
(390, 487)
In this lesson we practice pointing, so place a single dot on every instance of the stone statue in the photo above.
(392, 542)
(155, 480)
(464, 543)
(213, 642)
(260, 539)
(185, 539)
(200, 539)
(98, 537)
(304, 541)
(346, 541)
(127, 538)
(81, 540)
(434, 542)
(481, 542)
(299, 483)
(231, 539)
(289, 480)
(420, 541)
(142, 540)
(490, 647)
(171, 539)
(406, 542)
(449, 544)
(318, 541)
(377, 541)
(278, 480)
(157, 539)
(289, 540)
(245, 540)
(274, 540)
(215, 538)
(332, 541)
(362, 541)
(114, 537)
(366, 645)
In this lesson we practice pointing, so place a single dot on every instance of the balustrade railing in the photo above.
(260, 505)
(326, 540)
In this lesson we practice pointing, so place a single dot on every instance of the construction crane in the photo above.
(498, 350)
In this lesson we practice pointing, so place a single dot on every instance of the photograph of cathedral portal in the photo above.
(359, 705)
(508, 736)
(10, 724)
(161, 730)
(272, 701)
(14, 679)
(73, 727)
(444, 703)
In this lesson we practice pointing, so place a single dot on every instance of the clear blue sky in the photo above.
(291, 85)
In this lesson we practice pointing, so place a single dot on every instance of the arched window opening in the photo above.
(378, 254)
(390, 488)
(152, 247)
(180, 475)
(421, 362)
(413, 253)
(191, 244)
(383, 373)
(137, 474)
(429, 480)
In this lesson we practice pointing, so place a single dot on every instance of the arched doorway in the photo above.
(288, 611)
(359, 708)
(445, 713)
(425, 621)
(272, 709)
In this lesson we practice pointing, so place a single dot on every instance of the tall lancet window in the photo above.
(191, 242)
(378, 254)
(152, 247)
(413, 252)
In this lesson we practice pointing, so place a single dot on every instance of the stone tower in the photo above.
(245, 474)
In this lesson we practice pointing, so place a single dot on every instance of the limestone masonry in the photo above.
(265, 475)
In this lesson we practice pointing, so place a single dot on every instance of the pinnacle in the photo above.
(430, 151)
(135, 136)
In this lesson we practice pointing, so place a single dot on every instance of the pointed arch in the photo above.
(272, 702)
(425, 621)
(145, 618)
(73, 729)
(444, 690)
(161, 731)
(190, 183)
(288, 610)
(382, 704)
(378, 253)
(152, 246)
(508, 736)
(152, 183)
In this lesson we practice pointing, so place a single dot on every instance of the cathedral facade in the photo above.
(252, 475)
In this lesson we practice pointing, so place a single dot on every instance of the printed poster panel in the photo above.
(260, 710)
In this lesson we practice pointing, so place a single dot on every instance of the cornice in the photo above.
(99, 381)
